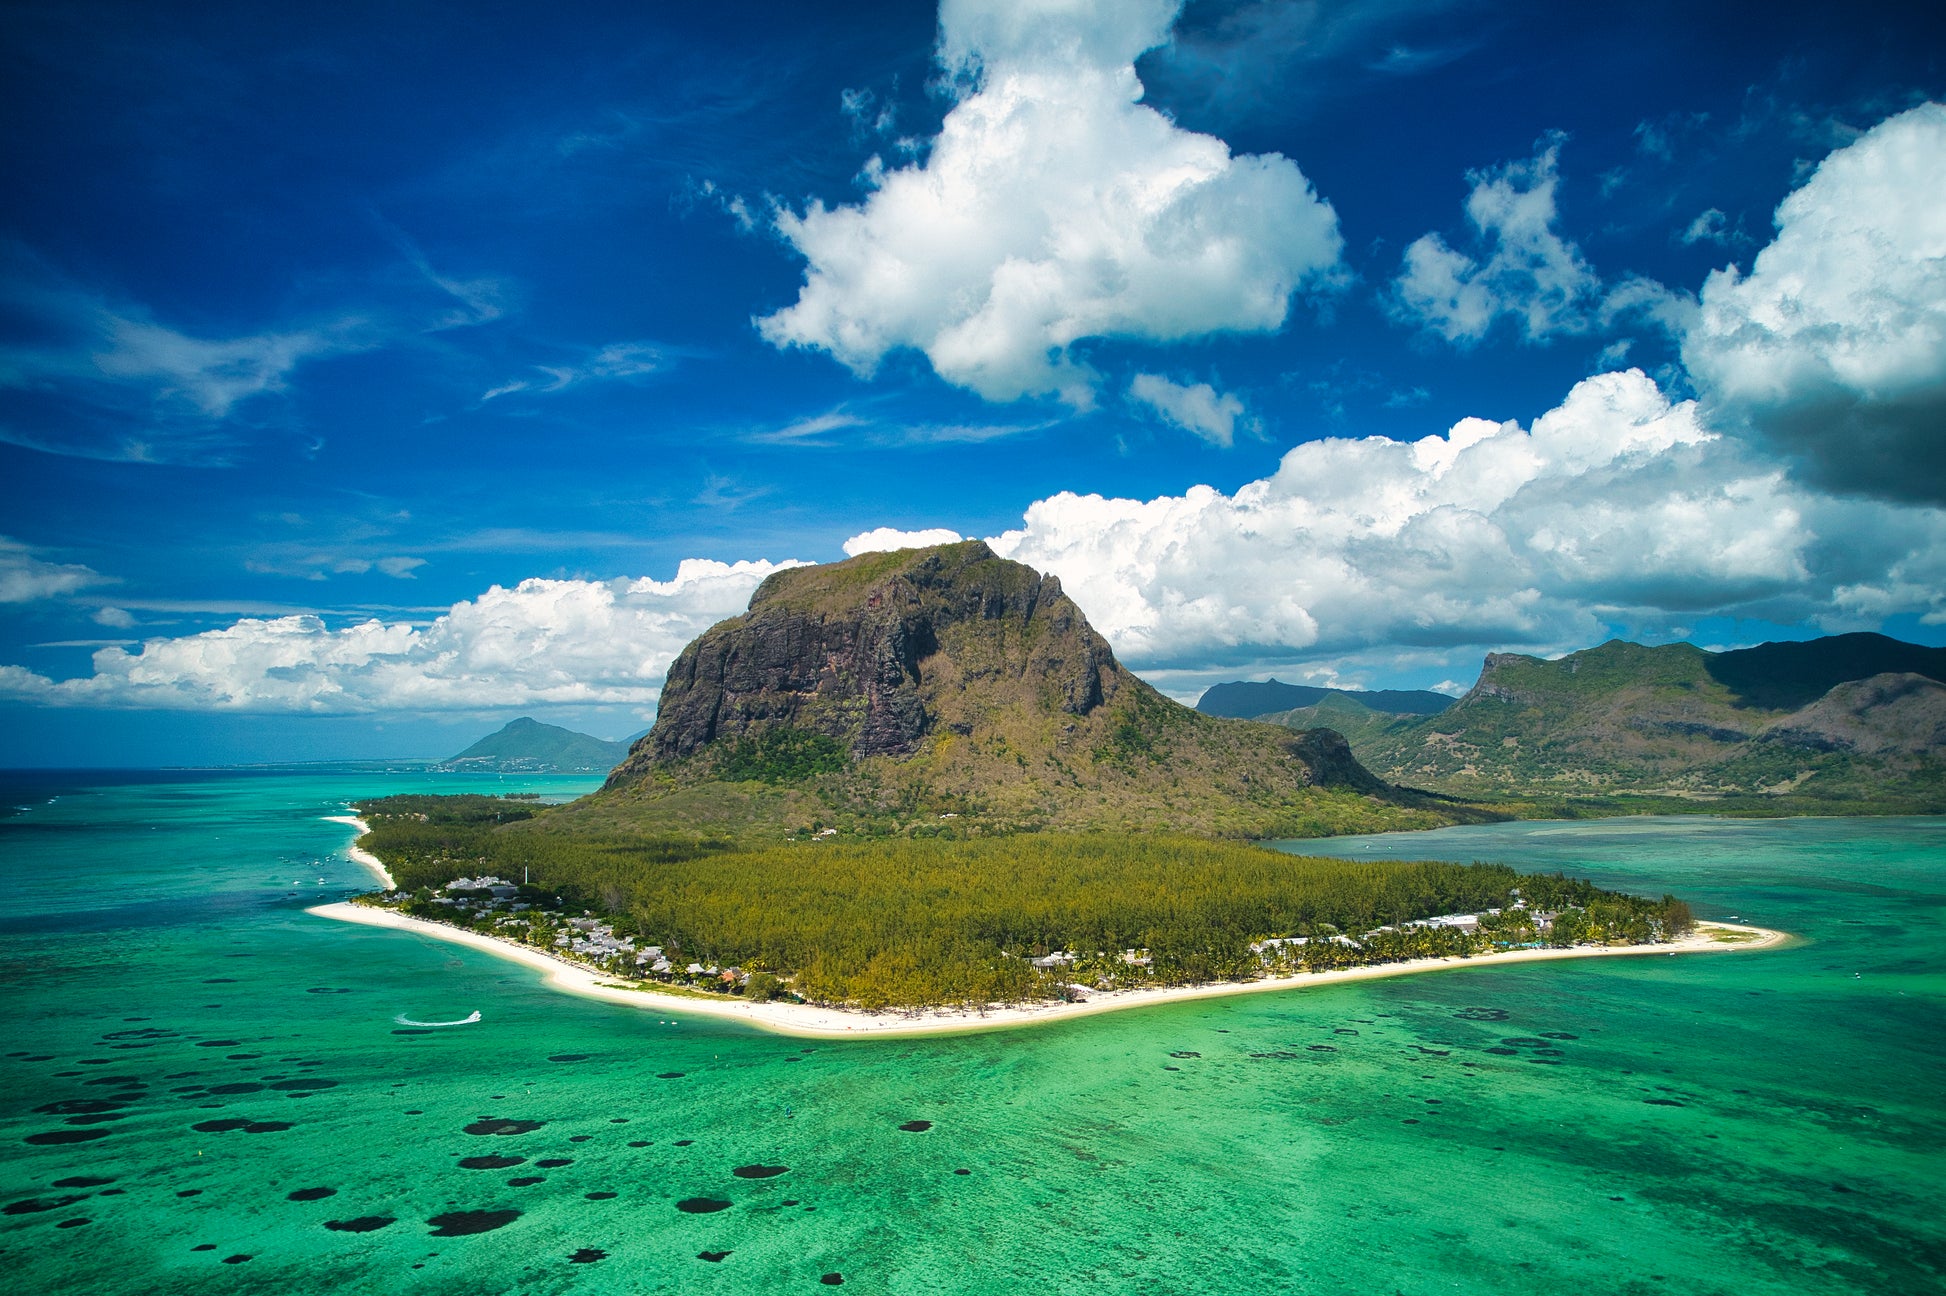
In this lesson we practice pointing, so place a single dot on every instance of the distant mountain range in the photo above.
(1247, 701)
(1846, 720)
(527, 746)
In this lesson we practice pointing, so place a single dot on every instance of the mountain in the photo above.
(1344, 712)
(528, 746)
(1250, 700)
(1785, 676)
(1844, 721)
(950, 691)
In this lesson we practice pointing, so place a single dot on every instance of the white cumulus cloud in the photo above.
(887, 539)
(1618, 505)
(1833, 347)
(1053, 207)
(1197, 407)
(543, 642)
(1530, 273)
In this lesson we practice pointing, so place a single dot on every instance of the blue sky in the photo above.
(325, 327)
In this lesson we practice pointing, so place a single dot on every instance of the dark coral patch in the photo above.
(69, 1106)
(670, 1075)
(204, 1246)
(73, 1223)
(587, 1255)
(579, 1138)
(554, 1163)
(240, 1087)
(570, 1057)
(1185, 1053)
(962, 1172)
(1504, 1052)
(916, 1126)
(489, 1162)
(82, 1181)
(467, 1223)
(265, 1127)
(35, 1205)
(495, 1125)
(326, 990)
(717, 1257)
(526, 1181)
(235, 1259)
(1664, 1102)
(217, 1043)
(701, 1205)
(682, 1142)
(599, 1196)
(1321, 1048)
(65, 1136)
(363, 1224)
(312, 1194)
(223, 1126)
(759, 1171)
(833, 1280)
(1278, 1054)
(641, 1143)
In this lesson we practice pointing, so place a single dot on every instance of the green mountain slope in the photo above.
(1677, 720)
(530, 746)
(947, 691)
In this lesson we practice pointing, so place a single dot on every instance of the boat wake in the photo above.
(467, 1020)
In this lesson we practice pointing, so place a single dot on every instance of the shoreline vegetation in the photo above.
(815, 1021)
(878, 935)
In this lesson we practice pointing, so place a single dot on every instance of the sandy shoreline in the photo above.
(838, 1023)
(365, 857)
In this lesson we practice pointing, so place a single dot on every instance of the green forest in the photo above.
(903, 922)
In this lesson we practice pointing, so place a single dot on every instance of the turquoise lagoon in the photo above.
(1766, 1122)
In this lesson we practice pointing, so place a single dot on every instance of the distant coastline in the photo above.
(816, 1022)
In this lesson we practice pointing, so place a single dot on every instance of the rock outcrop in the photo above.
(876, 654)
(949, 689)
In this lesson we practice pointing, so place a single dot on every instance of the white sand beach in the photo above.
(365, 857)
(840, 1023)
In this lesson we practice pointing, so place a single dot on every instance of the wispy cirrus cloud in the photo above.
(615, 362)
(845, 428)
(90, 374)
(25, 576)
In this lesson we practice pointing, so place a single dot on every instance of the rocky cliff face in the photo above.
(878, 653)
(948, 690)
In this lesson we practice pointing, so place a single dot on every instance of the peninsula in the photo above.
(920, 783)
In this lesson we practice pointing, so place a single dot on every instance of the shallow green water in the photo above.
(1747, 1123)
